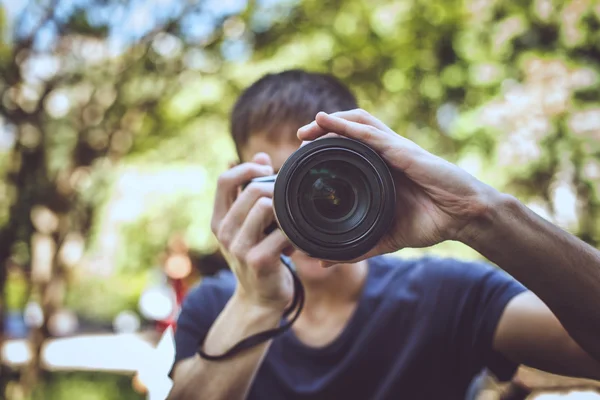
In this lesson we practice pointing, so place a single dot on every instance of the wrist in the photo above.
(493, 206)
(256, 308)
(239, 319)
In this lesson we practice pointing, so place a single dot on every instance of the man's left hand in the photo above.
(436, 200)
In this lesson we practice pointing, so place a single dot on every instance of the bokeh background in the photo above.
(114, 127)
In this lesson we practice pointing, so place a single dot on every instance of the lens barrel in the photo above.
(334, 199)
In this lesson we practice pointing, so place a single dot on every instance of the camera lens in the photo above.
(334, 198)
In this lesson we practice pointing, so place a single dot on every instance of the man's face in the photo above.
(279, 151)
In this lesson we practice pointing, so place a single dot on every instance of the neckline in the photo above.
(348, 328)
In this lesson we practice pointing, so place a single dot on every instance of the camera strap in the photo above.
(295, 308)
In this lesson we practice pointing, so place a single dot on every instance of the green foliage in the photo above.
(100, 299)
(16, 292)
(86, 386)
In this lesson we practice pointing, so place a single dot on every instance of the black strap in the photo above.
(258, 338)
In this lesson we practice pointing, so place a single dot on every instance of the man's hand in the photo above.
(436, 199)
(264, 287)
(239, 221)
(439, 201)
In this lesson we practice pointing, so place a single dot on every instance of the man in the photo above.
(380, 327)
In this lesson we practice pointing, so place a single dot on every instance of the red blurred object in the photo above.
(180, 289)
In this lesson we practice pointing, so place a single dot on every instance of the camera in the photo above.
(334, 198)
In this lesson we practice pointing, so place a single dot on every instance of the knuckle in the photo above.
(257, 259)
(237, 251)
(214, 226)
(371, 132)
(223, 180)
(361, 112)
(264, 204)
(224, 237)
(254, 190)
(254, 170)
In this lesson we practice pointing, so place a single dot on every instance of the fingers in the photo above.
(262, 158)
(363, 117)
(368, 134)
(241, 207)
(315, 129)
(268, 251)
(252, 230)
(227, 188)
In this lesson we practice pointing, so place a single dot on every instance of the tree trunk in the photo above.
(3, 369)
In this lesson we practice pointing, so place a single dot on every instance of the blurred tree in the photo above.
(76, 96)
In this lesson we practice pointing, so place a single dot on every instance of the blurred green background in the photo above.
(114, 126)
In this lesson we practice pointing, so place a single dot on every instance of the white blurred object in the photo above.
(33, 315)
(157, 303)
(564, 197)
(63, 323)
(72, 249)
(126, 322)
(541, 209)
(43, 249)
(43, 219)
(154, 370)
(96, 352)
(572, 395)
(16, 352)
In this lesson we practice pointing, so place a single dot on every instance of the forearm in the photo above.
(197, 378)
(559, 268)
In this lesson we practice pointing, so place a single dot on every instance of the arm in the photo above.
(529, 333)
(264, 288)
(563, 271)
(195, 378)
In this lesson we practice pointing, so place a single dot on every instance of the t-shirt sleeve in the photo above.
(475, 296)
(198, 312)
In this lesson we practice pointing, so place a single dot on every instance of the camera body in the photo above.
(334, 198)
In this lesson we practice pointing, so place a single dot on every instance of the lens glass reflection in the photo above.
(334, 196)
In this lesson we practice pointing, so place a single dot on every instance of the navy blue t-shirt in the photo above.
(422, 329)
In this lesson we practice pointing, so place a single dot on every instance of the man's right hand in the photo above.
(239, 221)
(264, 287)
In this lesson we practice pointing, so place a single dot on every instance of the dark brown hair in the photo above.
(287, 99)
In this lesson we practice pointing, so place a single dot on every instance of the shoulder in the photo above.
(212, 293)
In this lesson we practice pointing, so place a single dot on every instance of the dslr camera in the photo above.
(334, 198)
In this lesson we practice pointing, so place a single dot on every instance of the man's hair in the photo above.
(287, 99)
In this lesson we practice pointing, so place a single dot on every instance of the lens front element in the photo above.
(334, 196)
